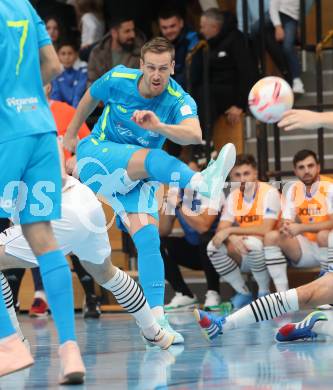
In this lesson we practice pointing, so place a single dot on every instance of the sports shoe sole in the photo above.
(225, 159)
(73, 378)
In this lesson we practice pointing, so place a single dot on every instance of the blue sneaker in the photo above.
(239, 300)
(210, 325)
(217, 172)
(300, 330)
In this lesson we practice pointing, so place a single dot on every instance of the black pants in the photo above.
(177, 251)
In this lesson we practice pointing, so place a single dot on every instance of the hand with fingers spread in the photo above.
(146, 119)
(300, 119)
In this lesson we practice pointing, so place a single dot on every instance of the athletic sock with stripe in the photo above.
(262, 309)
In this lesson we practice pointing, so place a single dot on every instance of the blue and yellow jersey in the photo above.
(118, 89)
(23, 106)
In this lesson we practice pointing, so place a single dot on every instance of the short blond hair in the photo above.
(158, 45)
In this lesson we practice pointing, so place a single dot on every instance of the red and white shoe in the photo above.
(14, 355)
(39, 308)
(72, 370)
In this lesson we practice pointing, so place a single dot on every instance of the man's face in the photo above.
(125, 35)
(209, 28)
(171, 27)
(244, 174)
(67, 56)
(157, 69)
(307, 170)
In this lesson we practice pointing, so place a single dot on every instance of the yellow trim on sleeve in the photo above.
(130, 76)
(173, 92)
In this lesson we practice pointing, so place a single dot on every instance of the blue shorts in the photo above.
(30, 180)
(101, 165)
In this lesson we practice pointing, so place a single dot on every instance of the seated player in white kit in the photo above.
(82, 231)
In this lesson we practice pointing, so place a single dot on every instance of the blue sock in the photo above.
(150, 264)
(57, 281)
(160, 166)
(6, 326)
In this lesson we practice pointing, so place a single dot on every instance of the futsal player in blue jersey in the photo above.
(123, 154)
(30, 181)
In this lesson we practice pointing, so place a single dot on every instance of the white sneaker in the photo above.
(212, 302)
(181, 302)
(298, 86)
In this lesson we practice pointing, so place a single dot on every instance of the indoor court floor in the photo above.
(116, 358)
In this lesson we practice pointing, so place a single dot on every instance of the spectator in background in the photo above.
(91, 21)
(189, 250)
(231, 70)
(253, 30)
(173, 28)
(59, 10)
(121, 46)
(55, 30)
(284, 15)
(71, 84)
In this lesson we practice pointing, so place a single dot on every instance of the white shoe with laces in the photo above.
(181, 302)
(213, 300)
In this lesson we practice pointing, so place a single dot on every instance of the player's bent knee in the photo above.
(211, 249)
(272, 238)
(253, 243)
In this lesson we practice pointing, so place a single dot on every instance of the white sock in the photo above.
(256, 261)
(276, 263)
(158, 312)
(262, 309)
(323, 259)
(130, 296)
(227, 268)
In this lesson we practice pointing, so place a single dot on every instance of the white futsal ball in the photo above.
(269, 98)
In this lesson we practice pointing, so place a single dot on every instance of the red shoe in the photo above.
(72, 369)
(39, 308)
(14, 355)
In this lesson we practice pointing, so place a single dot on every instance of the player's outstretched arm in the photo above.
(86, 106)
(49, 63)
(306, 120)
(187, 132)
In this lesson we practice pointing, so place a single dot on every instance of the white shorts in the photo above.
(81, 230)
(310, 253)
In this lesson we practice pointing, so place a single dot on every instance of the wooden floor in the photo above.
(116, 358)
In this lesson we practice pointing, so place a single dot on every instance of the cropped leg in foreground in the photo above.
(274, 305)
(94, 250)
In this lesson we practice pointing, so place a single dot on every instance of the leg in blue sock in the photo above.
(57, 281)
(150, 264)
(6, 327)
